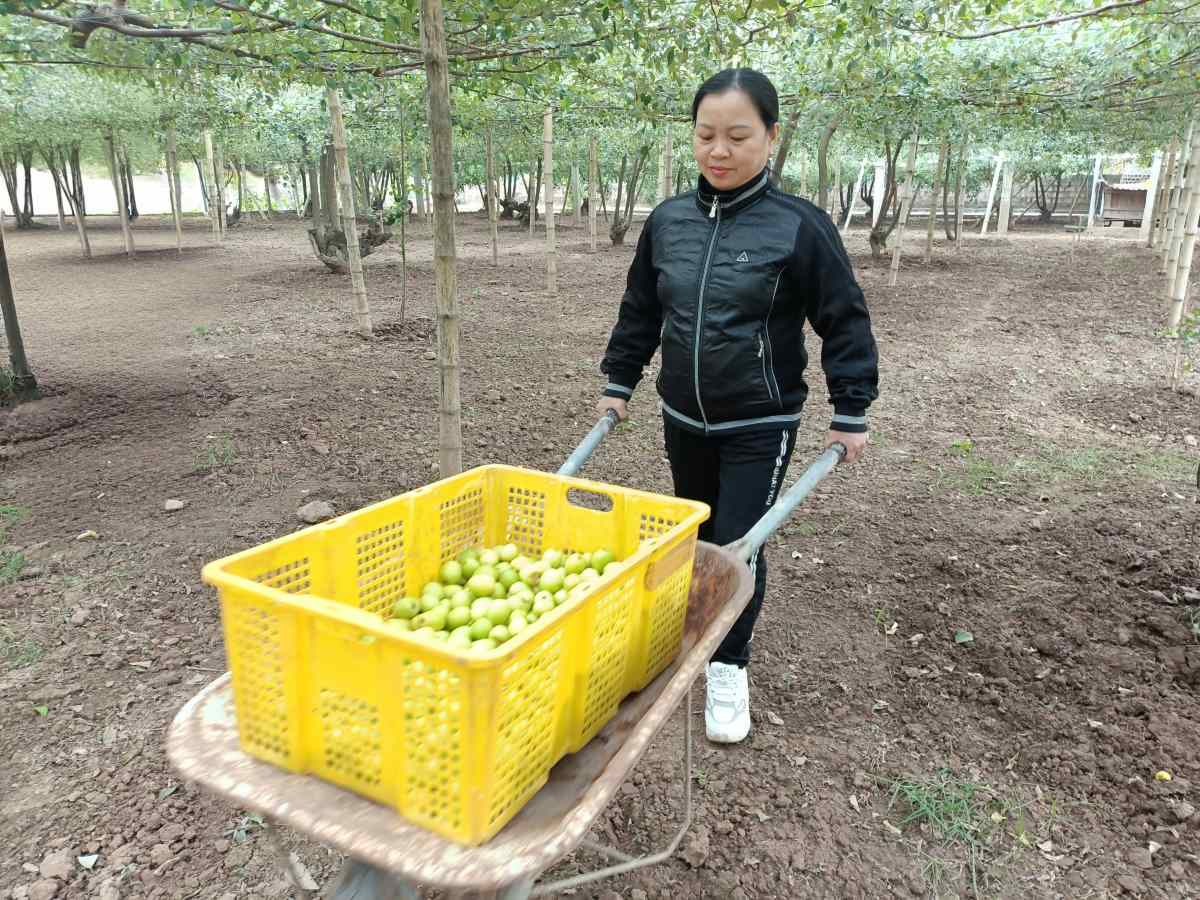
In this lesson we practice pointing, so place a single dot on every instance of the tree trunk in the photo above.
(623, 218)
(222, 202)
(59, 164)
(328, 176)
(987, 210)
(121, 176)
(419, 188)
(214, 214)
(203, 183)
(944, 177)
(301, 196)
(1178, 282)
(616, 232)
(313, 207)
(785, 146)
(1179, 224)
(1146, 231)
(943, 151)
(878, 196)
(823, 163)
(240, 172)
(593, 172)
(126, 232)
(1174, 232)
(24, 384)
(403, 190)
(884, 224)
(8, 166)
(1095, 192)
(326, 234)
(425, 187)
(668, 162)
(77, 179)
(1161, 245)
(492, 191)
(577, 195)
(536, 181)
(862, 169)
(362, 310)
(27, 163)
(1006, 192)
(433, 42)
(1164, 194)
(174, 187)
(130, 193)
(551, 247)
(360, 182)
(62, 224)
(959, 206)
(906, 198)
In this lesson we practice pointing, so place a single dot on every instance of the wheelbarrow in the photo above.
(390, 858)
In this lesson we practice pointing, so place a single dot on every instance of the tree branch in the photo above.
(85, 24)
(319, 29)
(353, 9)
(1054, 20)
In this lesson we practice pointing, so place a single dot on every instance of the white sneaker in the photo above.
(727, 708)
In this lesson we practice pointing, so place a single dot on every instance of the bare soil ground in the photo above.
(979, 645)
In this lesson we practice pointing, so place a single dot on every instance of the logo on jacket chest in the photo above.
(743, 257)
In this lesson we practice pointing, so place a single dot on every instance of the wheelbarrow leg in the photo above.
(359, 881)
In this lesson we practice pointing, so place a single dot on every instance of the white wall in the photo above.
(152, 193)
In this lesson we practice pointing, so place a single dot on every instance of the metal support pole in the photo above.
(653, 859)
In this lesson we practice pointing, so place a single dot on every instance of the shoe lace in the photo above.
(723, 684)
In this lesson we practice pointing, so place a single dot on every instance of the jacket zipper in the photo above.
(713, 213)
(763, 357)
(766, 332)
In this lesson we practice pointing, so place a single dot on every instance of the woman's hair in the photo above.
(752, 83)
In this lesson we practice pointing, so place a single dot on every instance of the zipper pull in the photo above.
(712, 213)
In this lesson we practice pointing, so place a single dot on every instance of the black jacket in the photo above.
(724, 282)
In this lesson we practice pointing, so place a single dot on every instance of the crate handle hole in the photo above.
(590, 499)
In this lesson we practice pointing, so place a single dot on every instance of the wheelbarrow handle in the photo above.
(589, 444)
(748, 545)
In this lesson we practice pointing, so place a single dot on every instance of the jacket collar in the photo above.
(732, 200)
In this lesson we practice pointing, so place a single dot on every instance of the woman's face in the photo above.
(730, 141)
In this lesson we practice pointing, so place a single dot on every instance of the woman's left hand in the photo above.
(855, 443)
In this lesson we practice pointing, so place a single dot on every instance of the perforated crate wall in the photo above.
(380, 565)
(525, 519)
(614, 618)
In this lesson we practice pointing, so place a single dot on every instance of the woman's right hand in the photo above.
(616, 404)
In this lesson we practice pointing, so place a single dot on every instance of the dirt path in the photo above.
(988, 620)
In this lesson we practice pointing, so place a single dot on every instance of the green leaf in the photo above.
(42, 710)
(963, 637)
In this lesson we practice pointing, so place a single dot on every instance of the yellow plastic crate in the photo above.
(455, 742)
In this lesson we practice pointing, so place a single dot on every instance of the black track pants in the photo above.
(738, 476)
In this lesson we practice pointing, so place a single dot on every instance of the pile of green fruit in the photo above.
(484, 598)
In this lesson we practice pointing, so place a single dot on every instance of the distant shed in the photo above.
(1123, 198)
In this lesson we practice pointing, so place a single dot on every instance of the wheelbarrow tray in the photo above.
(202, 744)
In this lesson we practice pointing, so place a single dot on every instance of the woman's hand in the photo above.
(616, 404)
(854, 442)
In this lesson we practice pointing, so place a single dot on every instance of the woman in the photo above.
(724, 278)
